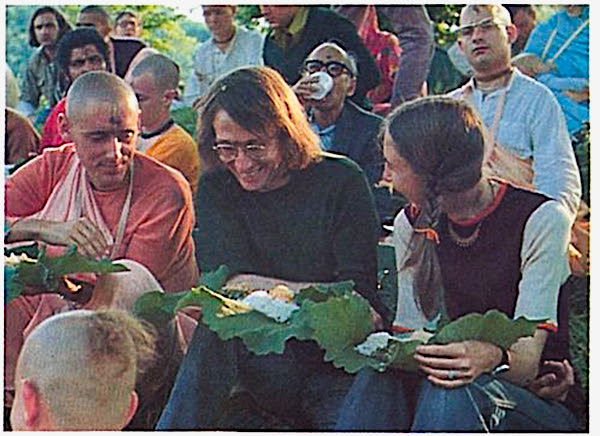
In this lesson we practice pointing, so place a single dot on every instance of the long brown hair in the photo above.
(442, 140)
(258, 100)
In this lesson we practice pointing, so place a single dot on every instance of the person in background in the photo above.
(414, 29)
(39, 76)
(341, 124)
(229, 47)
(124, 52)
(383, 46)
(127, 24)
(77, 371)
(80, 51)
(523, 17)
(274, 209)
(297, 30)
(460, 226)
(557, 54)
(21, 140)
(529, 140)
(11, 88)
(154, 81)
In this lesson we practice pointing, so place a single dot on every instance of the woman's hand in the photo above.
(457, 364)
(555, 384)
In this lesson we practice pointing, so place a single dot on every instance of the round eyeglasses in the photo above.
(228, 152)
(333, 68)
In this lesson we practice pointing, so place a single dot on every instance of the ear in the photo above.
(459, 42)
(133, 405)
(31, 404)
(351, 87)
(170, 95)
(64, 127)
(512, 32)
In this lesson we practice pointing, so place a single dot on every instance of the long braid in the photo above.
(442, 141)
(422, 255)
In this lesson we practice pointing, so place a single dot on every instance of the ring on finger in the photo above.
(452, 374)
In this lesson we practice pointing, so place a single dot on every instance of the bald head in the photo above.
(163, 70)
(499, 12)
(98, 87)
(83, 366)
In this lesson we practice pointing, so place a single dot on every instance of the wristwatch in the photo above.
(504, 364)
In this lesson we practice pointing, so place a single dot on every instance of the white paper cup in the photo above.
(324, 85)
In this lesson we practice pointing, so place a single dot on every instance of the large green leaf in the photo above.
(156, 307)
(493, 327)
(340, 321)
(216, 279)
(43, 275)
(322, 292)
(231, 319)
(397, 354)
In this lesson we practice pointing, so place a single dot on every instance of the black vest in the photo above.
(486, 275)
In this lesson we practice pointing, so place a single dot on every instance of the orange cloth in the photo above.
(158, 233)
(21, 138)
(178, 149)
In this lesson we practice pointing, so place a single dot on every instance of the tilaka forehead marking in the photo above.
(114, 118)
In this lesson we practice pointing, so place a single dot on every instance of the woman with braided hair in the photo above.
(468, 243)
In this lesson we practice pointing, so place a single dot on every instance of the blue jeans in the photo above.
(378, 402)
(297, 387)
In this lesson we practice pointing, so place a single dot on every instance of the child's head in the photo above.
(77, 371)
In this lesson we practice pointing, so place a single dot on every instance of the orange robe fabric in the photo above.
(158, 233)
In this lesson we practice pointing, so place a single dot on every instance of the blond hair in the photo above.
(84, 365)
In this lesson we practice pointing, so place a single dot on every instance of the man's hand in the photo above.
(554, 385)
(457, 364)
(531, 65)
(305, 88)
(81, 233)
(578, 95)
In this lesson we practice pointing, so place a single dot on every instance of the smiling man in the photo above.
(275, 209)
(522, 115)
(98, 194)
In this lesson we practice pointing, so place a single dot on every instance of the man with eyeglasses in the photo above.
(529, 134)
(522, 116)
(127, 25)
(276, 210)
(297, 30)
(79, 51)
(341, 124)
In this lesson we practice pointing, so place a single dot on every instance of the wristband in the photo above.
(504, 364)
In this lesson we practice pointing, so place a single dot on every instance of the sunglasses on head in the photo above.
(333, 68)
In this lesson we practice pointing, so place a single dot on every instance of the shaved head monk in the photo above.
(155, 80)
(98, 194)
(77, 371)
